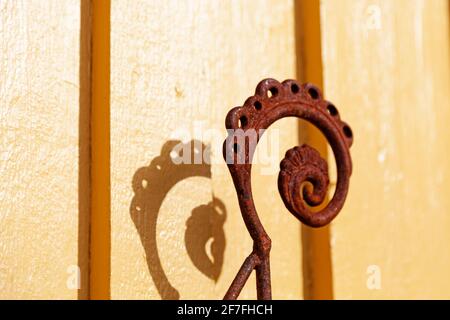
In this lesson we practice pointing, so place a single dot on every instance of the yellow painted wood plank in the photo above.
(386, 67)
(39, 150)
(177, 66)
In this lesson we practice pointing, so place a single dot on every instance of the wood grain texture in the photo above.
(39, 112)
(177, 66)
(386, 67)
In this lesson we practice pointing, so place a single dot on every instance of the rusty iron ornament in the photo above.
(303, 180)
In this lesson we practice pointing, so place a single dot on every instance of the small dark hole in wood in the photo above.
(257, 105)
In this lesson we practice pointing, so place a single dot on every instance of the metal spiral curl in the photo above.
(303, 179)
(300, 165)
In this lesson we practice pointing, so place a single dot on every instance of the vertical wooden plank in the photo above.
(177, 67)
(100, 227)
(317, 270)
(386, 67)
(39, 152)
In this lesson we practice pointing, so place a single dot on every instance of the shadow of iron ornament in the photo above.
(303, 179)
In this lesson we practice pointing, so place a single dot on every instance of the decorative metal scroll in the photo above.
(303, 180)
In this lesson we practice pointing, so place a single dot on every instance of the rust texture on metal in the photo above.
(303, 180)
